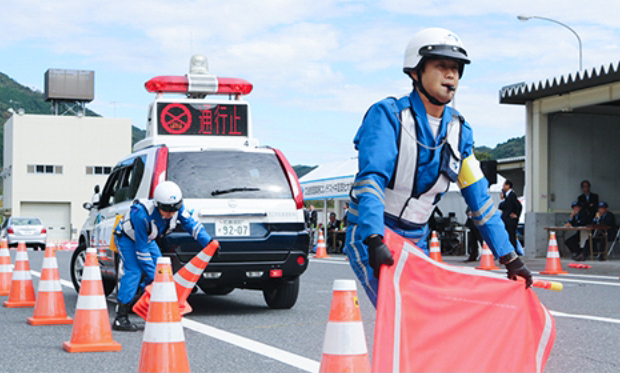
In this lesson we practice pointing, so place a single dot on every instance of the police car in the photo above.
(248, 197)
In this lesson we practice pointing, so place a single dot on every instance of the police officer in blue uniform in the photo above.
(410, 150)
(135, 237)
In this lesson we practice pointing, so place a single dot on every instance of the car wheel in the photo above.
(281, 294)
(219, 290)
(77, 269)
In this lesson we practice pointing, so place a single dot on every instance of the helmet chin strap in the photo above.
(420, 87)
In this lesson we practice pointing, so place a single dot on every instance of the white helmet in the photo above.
(168, 196)
(434, 42)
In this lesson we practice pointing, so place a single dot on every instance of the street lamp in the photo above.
(527, 18)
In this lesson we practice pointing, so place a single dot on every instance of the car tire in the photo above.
(281, 294)
(77, 267)
(219, 290)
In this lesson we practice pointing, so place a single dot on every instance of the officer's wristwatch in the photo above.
(508, 258)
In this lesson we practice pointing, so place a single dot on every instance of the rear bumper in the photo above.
(14, 239)
(246, 262)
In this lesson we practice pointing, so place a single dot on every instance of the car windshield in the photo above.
(228, 174)
(25, 221)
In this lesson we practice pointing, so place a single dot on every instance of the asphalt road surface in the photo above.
(239, 333)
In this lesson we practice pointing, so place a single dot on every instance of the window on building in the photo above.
(43, 169)
(98, 170)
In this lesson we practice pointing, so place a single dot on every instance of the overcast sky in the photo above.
(316, 65)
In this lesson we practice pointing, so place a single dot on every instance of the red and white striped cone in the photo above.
(185, 279)
(344, 346)
(91, 328)
(487, 260)
(435, 250)
(22, 291)
(553, 265)
(163, 343)
(50, 306)
(6, 271)
(321, 249)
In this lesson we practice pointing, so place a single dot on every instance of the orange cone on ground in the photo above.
(487, 261)
(163, 343)
(321, 249)
(49, 308)
(435, 250)
(185, 279)
(554, 265)
(6, 271)
(22, 291)
(344, 346)
(91, 327)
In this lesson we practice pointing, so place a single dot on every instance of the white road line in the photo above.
(330, 261)
(585, 317)
(591, 276)
(260, 348)
(285, 357)
(560, 279)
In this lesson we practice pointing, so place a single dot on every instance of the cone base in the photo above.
(91, 347)
(316, 256)
(553, 272)
(4, 293)
(19, 304)
(489, 268)
(49, 320)
(344, 363)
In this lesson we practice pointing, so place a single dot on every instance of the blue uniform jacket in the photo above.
(377, 143)
(141, 222)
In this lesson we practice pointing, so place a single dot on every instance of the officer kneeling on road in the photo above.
(135, 237)
(410, 149)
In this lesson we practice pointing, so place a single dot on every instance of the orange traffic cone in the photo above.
(185, 279)
(22, 291)
(554, 265)
(344, 346)
(487, 261)
(321, 249)
(163, 343)
(91, 328)
(6, 271)
(50, 306)
(435, 248)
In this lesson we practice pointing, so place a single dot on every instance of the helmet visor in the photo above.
(173, 207)
(445, 51)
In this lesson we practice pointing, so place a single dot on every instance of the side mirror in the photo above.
(87, 206)
(97, 189)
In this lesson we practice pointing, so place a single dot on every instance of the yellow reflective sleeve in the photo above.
(470, 172)
(113, 247)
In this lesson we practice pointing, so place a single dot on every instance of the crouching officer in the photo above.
(410, 150)
(135, 237)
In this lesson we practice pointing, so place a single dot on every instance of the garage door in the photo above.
(55, 216)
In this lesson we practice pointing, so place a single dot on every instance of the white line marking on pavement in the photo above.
(330, 261)
(285, 357)
(591, 276)
(585, 317)
(260, 348)
(579, 281)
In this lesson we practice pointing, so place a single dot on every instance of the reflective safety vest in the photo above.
(402, 202)
(126, 226)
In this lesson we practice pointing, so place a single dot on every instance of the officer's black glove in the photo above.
(378, 253)
(516, 268)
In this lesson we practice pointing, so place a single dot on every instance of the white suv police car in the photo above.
(248, 197)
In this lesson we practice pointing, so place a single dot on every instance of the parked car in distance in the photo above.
(24, 228)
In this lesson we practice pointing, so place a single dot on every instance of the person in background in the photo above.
(474, 238)
(332, 226)
(604, 217)
(588, 201)
(578, 218)
(345, 214)
(511, 210)
(311, 219)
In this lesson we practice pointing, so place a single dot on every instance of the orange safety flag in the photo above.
(432, 317)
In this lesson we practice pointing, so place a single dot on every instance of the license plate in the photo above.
(232, 228)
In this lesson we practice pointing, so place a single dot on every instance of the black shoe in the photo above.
(574, 256)
(580, 258)
(601, 257)
(470, 259)
(121, 322)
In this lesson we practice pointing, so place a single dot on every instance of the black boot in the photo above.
(121, 322)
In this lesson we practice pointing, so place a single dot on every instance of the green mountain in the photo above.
(16, 96)
(514, 147)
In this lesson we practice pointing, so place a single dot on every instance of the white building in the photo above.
(52, 163)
